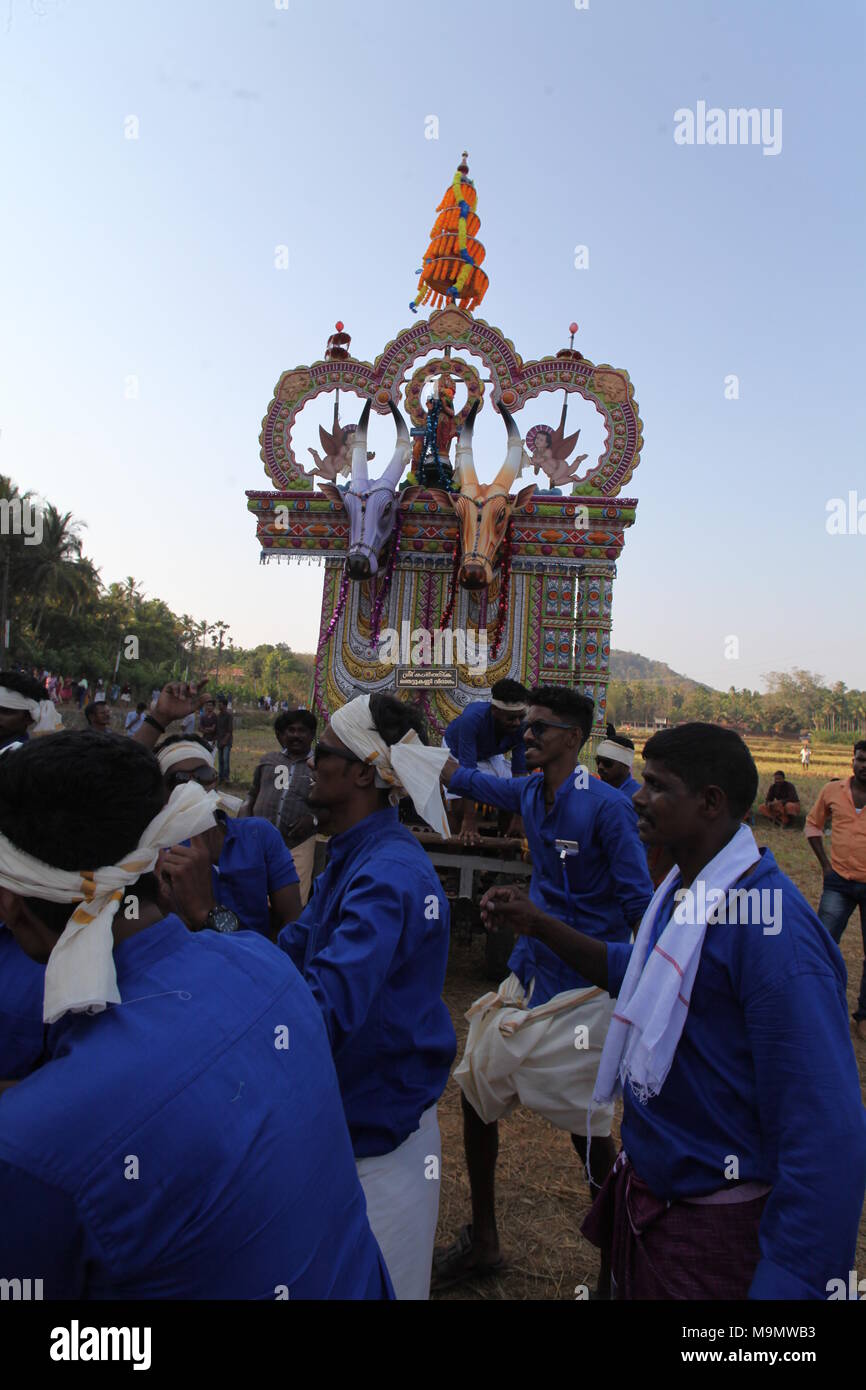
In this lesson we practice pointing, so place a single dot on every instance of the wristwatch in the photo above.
(222, 919)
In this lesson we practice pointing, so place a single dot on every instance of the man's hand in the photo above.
(177, 700)
(448, 771)
(509, 906)
(469, 826)
(186, 883)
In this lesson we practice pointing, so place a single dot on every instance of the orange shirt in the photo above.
(848, 833)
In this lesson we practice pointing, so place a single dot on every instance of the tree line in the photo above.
(63, 618)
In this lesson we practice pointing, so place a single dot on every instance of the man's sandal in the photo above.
(453, 1264)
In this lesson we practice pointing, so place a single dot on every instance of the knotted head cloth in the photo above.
(80, 974)
(615, 752)
(185, 751)
(45, 716)
(407, 768)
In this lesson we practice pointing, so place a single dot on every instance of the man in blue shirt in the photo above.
(372, 944)
(240, 869)
(21, 985)
(188, 1142)
(614, 759)
(753, 1146)
(588, 867)
(480, 737)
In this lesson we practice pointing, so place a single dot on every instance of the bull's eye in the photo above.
(501, 517)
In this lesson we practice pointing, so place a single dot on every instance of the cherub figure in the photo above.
(337, 444)
(549, 450)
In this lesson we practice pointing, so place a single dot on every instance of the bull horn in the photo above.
(359, 448)
(394, 472)
(513, 464)
(464, 462)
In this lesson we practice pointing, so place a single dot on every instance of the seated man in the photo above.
(185, 1136)
(281, 784)
(25, 708)
(614, 758)
(372, 944)
(589, 867)
(238, 875)
(480, 737)
(743, 1164)
(782, 803)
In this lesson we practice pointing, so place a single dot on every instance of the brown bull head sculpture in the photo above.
(483, 509)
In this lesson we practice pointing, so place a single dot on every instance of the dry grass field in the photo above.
(542, 1195)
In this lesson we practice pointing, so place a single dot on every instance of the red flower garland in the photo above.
(341, 603)
(504, 582)
(452, 591)
(385, 587)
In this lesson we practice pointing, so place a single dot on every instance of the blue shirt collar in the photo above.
(376, 824)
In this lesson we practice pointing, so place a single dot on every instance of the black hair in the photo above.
(141, 705)
(860, 745)
(90, 710)
(778, 774)
(184, 738)
(79, 799)
(512, 692)
(612, 735)
(704, 755)
(394, 718)
(296, 716)
(567, 703)
(23, 685)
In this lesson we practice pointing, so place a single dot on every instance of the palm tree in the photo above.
(57, 571)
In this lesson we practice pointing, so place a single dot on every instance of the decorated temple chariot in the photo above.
(437, 585)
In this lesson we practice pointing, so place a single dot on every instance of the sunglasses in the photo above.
(203, 775)
(538, 726)
(326, 750)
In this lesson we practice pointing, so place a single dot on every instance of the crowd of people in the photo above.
(220, 1069)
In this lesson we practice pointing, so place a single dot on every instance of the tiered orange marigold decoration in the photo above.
(451, 272)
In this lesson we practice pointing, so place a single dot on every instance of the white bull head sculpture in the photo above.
(371, 503)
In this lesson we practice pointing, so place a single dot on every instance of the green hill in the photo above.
(630, 666)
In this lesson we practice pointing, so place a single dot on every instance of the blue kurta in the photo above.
(254, 862)
(764, 1072)
(372, 944)
(22, 984)
(471, 737)
(629, 787)
(171, 1148)
(602, 890)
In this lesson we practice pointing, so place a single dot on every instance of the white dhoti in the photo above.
(544, 1058)
(303, 856)
(402, 1192)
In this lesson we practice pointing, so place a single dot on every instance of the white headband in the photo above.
(408, 767)
(180, 753)
(80, 974)
(45, 716)
(615, 752)
(518, 708)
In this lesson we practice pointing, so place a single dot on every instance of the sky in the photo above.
(144, 322)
